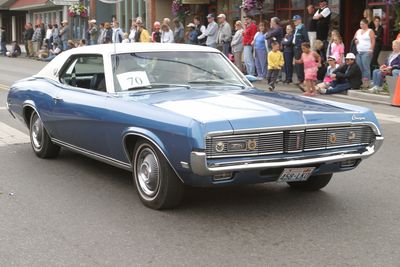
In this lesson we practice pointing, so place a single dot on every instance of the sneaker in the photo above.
(375, 89)
(322, 91)
(365, 84)
(260, 78)
(271, 88)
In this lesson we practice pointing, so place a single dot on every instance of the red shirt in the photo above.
(248, 34)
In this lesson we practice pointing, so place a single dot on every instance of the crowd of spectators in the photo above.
(272, 50)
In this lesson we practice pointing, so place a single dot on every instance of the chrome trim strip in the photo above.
(154, 143)
(297, 127)
(96, 156)
(198, 161)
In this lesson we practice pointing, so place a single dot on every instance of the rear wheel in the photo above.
(40, 140)
(314, 183)
(157, 184)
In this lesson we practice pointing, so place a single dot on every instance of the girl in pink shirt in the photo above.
(337, 49)
(311, 61)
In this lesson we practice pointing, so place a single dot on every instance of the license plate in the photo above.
(295, 174)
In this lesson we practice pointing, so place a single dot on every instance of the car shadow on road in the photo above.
(273, 197)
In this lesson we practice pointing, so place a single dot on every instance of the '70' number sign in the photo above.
(133, 79)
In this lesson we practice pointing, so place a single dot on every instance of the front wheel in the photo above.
(314, 183)
(40, 140)
(157, 184)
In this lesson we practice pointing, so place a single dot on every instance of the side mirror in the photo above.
(251, 78)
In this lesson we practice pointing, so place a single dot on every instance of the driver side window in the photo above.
(85, 71)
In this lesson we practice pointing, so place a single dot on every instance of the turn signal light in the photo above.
(223, 176)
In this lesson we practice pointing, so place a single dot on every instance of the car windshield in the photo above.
(149, 70)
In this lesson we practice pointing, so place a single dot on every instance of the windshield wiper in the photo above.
(160, 85)
(216, 82)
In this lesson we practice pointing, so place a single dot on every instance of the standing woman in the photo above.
(378, 30)
(368, 15)
(260, 52)
(179, 31)
(237, 44)
(167, 36)
(365, 42)
(108, 33)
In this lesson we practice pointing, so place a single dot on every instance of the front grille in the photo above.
(281, 142)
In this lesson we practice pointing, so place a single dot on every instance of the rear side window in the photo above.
(85, 71)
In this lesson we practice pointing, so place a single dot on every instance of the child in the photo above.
(260, 52)
(275, 64)
(337, 49)
(287, 44)
(126, 38)
(319, 49)
(311, 61)
(332, 66)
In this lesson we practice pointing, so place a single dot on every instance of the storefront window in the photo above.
(386, 12)
(298, 4)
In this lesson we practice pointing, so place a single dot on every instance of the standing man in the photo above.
(3, 41)
(64, 32)
(311, 25)
(275, 33)
(28, 33)
(300, 36)
(36, 39)
(118, 35)
(211, 32)
(200, 29)
(224, 34)
(248, 36)
(323, 18)
(93, 32)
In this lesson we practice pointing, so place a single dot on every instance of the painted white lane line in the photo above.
(387, 117)
(11, 136)
(4, 87)
(3, 108)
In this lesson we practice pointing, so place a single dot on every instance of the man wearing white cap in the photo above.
(64, 32)
(211, 32)
(346, 77)
(224, 34)
(93, 32)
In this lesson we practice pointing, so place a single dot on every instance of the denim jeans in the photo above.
(261, 62)
(65, 45)
(92, 42)
(299, 67)
(364, 62)
(249, 60)
(288, 56)
(225, 48)
(378, 79)
(338, 87)
(3, 48)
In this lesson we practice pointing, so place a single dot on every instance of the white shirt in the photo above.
(132, 35)
(364, 41)
(49, 33)
(325, 12)
(167, 37)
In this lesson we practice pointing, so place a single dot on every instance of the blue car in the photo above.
(182, 115)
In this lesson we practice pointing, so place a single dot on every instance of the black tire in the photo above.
(157, 184)
(314, 183)
(40, 140)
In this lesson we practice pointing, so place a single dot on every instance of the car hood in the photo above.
(251, 108)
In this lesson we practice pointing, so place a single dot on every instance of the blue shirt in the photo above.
(259, 42)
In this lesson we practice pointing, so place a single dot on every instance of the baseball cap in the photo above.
(350, 56)
(296, 17)
(221, 16)
(92, 21)
(332, 57)
(210, 16)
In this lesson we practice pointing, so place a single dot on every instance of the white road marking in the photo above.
(387, 117)
(11, 136)
(4, 87)
(3, 108)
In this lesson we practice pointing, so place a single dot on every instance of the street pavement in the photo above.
(74, 211)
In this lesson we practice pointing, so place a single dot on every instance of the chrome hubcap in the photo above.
(37, 133)
(148, 172)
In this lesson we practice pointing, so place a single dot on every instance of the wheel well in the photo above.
(130, 142)
(27, 114)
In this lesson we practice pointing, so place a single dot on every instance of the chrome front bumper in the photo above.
(199, 165)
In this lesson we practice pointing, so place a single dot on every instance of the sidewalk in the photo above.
(356, 95)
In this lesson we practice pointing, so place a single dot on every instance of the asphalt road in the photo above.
(75, 211)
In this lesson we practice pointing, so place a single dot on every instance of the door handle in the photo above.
(57, 99)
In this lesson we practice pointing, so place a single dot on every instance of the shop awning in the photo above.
(29, 4)
(5, 4)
